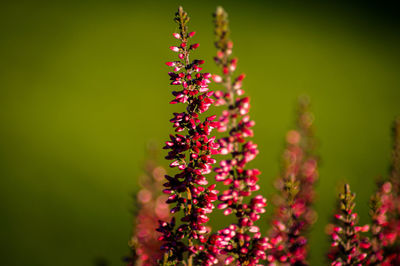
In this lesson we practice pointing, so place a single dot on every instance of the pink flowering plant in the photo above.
(385, 212)
(242, 242)
(151, 207)
(348, 246)
(174, 206)
(294, 214)
(381, 203)
(381, 246)
(191, 151)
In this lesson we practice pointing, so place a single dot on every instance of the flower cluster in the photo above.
(151, 208)
(381, 203)
(385, 212)
(348, 248)
(393, 248)
(181, 212)
(294, 214)
(382, 248)
(190, 152)
(241, 242)
(394, 218)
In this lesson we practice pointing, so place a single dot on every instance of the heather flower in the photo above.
(190, 152)
(151, 208)
(241, 242)
(294, 214)
(393, 231)
(348, 248)
(381, 203)
(385, 212)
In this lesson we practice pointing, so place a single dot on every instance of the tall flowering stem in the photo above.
(308, 172)
(391, 204)
(191, 153)
(151, 208)
(294, 214)
(241, 242)
(385, 212)
(380, 205)
(348, 248)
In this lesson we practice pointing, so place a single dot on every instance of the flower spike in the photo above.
(348, 248)
(151, 207)
(242, 243)
(381, 203)
(191, 152)
(385, 211)
(294, 214)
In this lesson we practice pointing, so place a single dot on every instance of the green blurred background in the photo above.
(83, 88)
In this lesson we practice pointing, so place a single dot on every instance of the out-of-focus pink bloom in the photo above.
(151, 208)
(294, 214)
(385, 212)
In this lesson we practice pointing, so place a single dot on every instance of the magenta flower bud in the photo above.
(254, 229)
(167, 191)
(339, 216)
(174, 163)
(244, 250)
(176, 35)
(365, 245)
(207, 75)
(229, 260)
(217, 79)
(337, 229)
(191, 34)
(240, 77)
(174, 48)
(227, 211)
(175, 209)
(254, 216)
(195, 46)
(222, 206)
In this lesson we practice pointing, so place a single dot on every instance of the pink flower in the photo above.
(242, 242)
(151, 208)
(174, 48)
(294, 215)
(385, 212)
(191, 154)
(347, 245)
